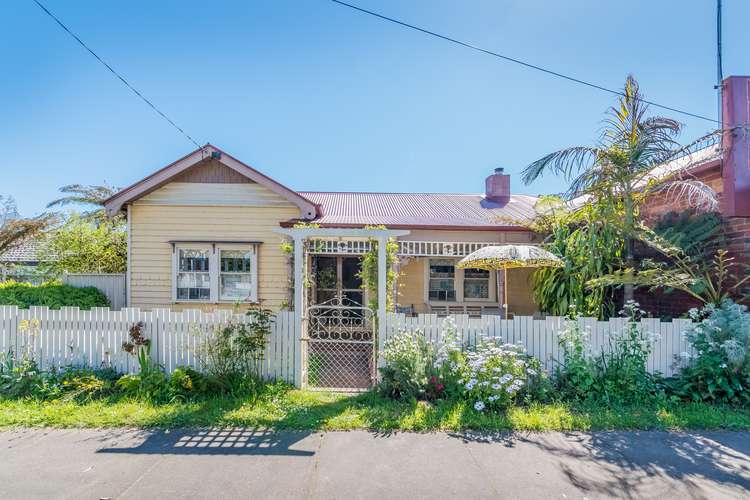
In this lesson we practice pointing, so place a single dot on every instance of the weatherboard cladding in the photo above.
(420, 209)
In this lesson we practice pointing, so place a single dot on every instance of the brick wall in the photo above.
(736, 231)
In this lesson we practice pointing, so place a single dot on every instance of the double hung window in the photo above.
(215, 273)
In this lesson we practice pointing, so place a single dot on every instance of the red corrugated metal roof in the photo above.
(467, 211)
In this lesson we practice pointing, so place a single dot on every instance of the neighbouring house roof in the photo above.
(161, 177)
(421, 210)
(25, 252)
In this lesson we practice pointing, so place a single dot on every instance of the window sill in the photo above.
(461, 303)
(212, 302)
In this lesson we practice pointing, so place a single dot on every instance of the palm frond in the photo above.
(697, 194)
(564, 162)
(79, 194)
(658, 277)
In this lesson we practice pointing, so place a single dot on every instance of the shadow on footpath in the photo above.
(219, 441)
(624, 464)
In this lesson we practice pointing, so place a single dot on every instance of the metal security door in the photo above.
(339, 350)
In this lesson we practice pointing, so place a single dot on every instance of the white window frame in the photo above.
(176, 270)
(214, 270)
(458, 285)
(253, 249)
(456, 271)
(490, 288)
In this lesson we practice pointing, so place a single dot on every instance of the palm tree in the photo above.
(78, 194)
(636, 156)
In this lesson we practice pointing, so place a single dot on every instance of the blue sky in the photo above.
(321, 97)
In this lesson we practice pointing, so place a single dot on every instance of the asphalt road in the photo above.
(246, 463)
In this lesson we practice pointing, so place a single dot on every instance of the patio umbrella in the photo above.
(504, 257)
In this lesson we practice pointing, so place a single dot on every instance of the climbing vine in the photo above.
(369, 271)
(287, 248)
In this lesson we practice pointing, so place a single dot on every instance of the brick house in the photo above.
(725, 167)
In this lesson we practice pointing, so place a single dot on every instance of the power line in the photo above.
(118, 75)
(513, 60)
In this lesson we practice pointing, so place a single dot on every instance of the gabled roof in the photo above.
(353, 209)
(154, 181)
(421, 210)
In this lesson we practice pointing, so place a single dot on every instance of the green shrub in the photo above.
(408, 366)
(618, 374)
(577, 376)
(52, 294)
(230, 354)
(151, 385)
(719, 371)
(22, 378)
(85, 384)
(187, 383)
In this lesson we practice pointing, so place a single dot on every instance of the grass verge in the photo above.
(283, 408)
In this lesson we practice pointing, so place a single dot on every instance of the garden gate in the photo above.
(339, 345)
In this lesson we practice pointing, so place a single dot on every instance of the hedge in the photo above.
(53, 295)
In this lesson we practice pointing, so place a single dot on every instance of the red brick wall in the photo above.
(736, 232)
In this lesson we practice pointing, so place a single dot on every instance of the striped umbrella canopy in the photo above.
(504, 257)
(498, 257)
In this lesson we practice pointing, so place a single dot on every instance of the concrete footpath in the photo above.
(245, 463)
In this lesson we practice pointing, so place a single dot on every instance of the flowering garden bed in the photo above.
(490, 386)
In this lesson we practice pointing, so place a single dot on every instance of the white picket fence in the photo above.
(94, 338)
(540, 336)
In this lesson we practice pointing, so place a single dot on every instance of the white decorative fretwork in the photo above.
(405, 248)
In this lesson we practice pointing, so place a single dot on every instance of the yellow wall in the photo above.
(152, 226)
(201, 211)
(520, 298)
(411, 287)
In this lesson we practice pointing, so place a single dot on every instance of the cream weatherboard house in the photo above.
(206, 232)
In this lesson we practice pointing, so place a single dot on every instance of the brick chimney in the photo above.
(497, 186)
(736, 145)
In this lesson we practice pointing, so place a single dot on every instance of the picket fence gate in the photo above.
(94, 338)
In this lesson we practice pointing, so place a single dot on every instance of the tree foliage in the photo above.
(80, 246)
(589, 247)
(626, 167)
(698, 235)
(8, 209)
(92, 196)
(15, 230)
(711, 282)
